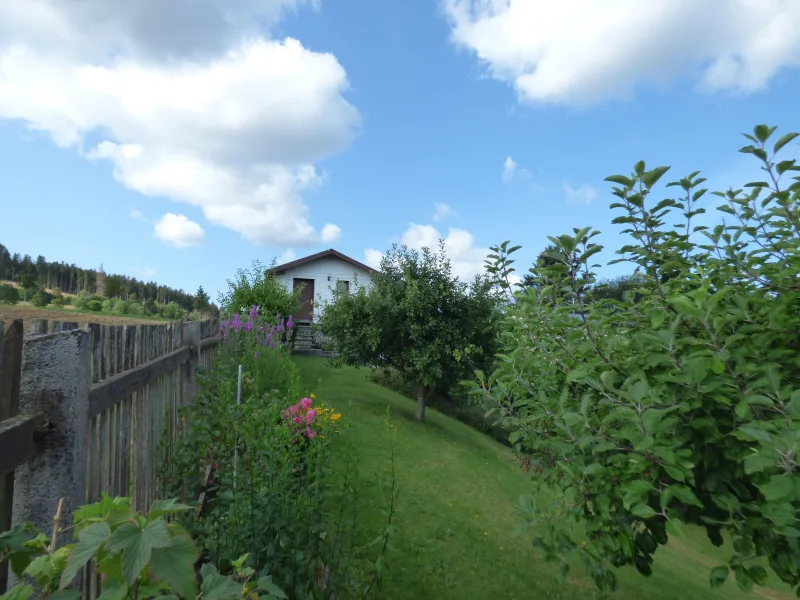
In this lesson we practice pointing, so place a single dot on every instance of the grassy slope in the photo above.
(455, 514)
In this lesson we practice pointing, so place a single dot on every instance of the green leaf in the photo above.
(68, 594)
(757, 462)
(90, 539)
(718, 366)
(137, 545)
(621, 180)
(778, 488)
(783, 140)
(175, 565)
(21, 591)
(160, 508)
(266, 584)
(675, 527)
(758, 574)
(762, 132)
(643, 511)
(42, 569)
(114, 589)
(718, 576)
(217, 587)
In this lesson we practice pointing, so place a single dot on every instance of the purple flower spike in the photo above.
(237, 322)
(255, 355)
(290, 323)
(254, 313)
(248, 326)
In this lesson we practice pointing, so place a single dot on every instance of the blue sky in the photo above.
(178, 146)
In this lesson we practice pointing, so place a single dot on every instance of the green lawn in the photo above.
(455, 514)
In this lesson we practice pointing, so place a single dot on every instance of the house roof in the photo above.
(325, 253)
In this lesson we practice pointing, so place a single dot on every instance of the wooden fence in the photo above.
(83, 411)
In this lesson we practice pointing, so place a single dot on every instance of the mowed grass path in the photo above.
(455, 510)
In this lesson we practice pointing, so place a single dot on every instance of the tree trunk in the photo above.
(421, 395)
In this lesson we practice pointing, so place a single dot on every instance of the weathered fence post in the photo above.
(191, 337)
(10, 363)
(55, 382)
(38, 327)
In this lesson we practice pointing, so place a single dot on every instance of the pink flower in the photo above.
(305, 403)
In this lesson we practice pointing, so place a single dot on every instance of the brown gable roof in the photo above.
(311, 258)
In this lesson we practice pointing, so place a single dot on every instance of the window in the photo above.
(343, 286)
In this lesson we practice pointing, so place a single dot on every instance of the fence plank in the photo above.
(10, 368)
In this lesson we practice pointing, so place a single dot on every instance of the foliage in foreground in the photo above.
(418, 319)
(271, 491)
(137, 556)
(682, 407)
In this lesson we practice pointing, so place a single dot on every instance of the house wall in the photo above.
(319, 270)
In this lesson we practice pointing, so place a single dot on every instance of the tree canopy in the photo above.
(416, 318)
(680, 406)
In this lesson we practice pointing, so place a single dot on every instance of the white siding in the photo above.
(320, 271)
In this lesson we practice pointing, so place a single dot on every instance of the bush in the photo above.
(135, 308)
(258, 286)
(173, 311)
(680, 408)
(66, 299)
(122, 307)
(167, 567)
(94, 304)
(81, 300)
(8, 294)
(108, 305)
(41, 298)
(275, 445)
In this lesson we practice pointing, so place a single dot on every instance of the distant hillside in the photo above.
(71, 279)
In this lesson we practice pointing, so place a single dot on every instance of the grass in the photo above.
(458, 489)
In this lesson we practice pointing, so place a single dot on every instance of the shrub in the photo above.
(258, 286)
(81, 300)
(41, 298)
(135, 308)
(681, 407)
(269, 460)
(109, 304)
(173, 311)
(94, 304)
(122, 307)
(111, 538)
(8, 294)
(66, 299)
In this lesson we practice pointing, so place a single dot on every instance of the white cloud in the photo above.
(585, 194)
(286, 256)
(582, 51)
(442, 211)
(466, 259)
(511, 170)
(189, 101)
(330, 233)
(178, 231)
(373, 258)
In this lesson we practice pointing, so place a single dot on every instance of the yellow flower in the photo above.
(313, 397)
(484, 533)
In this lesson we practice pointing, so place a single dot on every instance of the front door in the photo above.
(306, 300)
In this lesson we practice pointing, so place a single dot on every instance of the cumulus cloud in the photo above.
(330, 233)
(466, 258)
(185, 100)
(442, 211)
(582, 51)
(585, 194)
(286, 256)
(511, 170)
(178, 231)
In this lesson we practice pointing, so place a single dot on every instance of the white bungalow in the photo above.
(321, 273)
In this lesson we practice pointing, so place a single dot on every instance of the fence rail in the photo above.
(91, 410)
